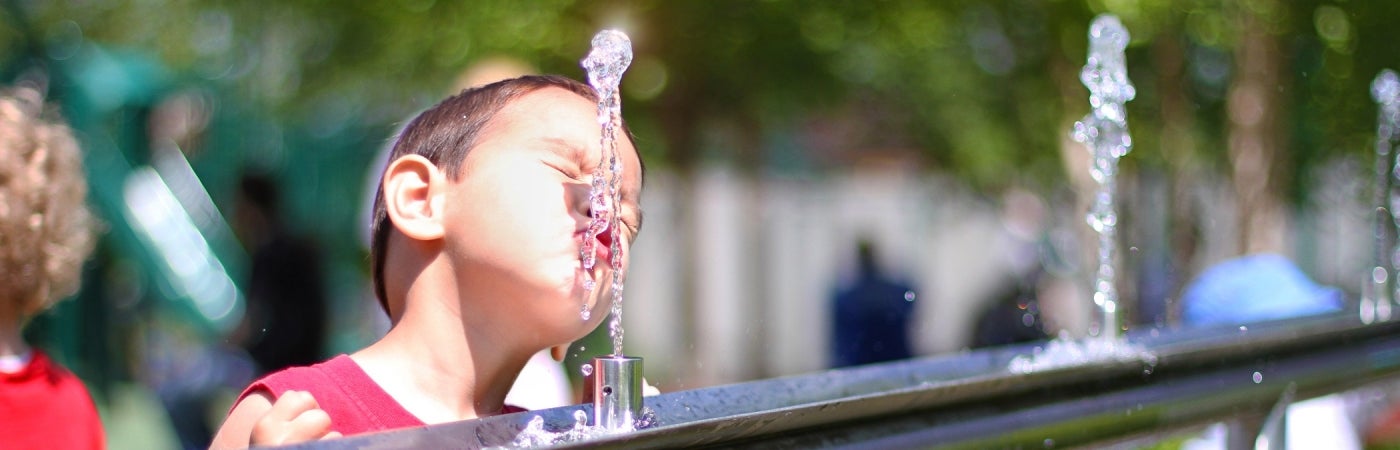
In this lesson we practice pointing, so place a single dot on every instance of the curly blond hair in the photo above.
(46, 230)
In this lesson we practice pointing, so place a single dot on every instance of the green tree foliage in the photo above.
(983, 89)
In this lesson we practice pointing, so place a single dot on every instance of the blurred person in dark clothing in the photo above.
(286, 320)
(1013, 317)
(870, 317)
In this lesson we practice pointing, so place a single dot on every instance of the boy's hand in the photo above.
(648, 390)
(294, 417)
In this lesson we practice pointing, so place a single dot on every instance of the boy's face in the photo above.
(517, 216)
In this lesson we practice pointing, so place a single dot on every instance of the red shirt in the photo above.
(45, 406)
(355, 403)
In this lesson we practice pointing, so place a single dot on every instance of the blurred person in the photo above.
(191, 373)
(478, 225)
(46, 232)
(286, 318)
(870, 316)
(284, 324)
(1013, 314)
(1013, 317)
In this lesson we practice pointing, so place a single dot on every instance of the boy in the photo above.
(45, 234)
(478, 226)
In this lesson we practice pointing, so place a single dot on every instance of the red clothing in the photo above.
(355, 403)
(45, 406)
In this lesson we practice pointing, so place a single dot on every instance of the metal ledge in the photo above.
(972, 400)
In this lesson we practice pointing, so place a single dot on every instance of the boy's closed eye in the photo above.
(569, 170)
(569, 158)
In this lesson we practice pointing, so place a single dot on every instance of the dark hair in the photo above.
(261, 192)
(444, 134)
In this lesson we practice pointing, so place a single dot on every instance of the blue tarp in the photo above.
(1255, 288)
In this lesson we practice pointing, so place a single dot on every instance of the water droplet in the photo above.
(1386, 87)
(1049, 443)
(1244, 329)
(647, 419)
(908, 296)
(587, 370)
(1258, 378)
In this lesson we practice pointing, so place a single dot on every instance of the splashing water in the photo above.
(535, 434)
(1105, 132)
(1376, 298)
(1066, 352)
(605, 63)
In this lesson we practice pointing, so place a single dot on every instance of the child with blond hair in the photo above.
(45, 235)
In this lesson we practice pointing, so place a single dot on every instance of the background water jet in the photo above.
(1105, 132)
(1376, 294)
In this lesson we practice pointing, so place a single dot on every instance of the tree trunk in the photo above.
(1178, 141)
(1256, 111)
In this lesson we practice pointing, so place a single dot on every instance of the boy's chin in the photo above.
(568, 318)
(571, 332)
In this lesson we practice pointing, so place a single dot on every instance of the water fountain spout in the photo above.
(617, 392)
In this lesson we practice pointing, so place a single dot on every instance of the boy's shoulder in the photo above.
(304, 378)
(355, 403)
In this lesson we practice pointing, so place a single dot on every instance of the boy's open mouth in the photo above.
(602, 248)
(605, 238)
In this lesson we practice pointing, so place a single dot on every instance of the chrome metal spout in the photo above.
(616, 391)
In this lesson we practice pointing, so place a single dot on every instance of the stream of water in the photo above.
(609, 58)
(1105, 132)
(1375, 294)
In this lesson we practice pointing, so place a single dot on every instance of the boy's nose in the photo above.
(579, 202)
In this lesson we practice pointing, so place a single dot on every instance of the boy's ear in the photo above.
(413, 197)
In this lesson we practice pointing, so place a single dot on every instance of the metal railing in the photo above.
(972, 400)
